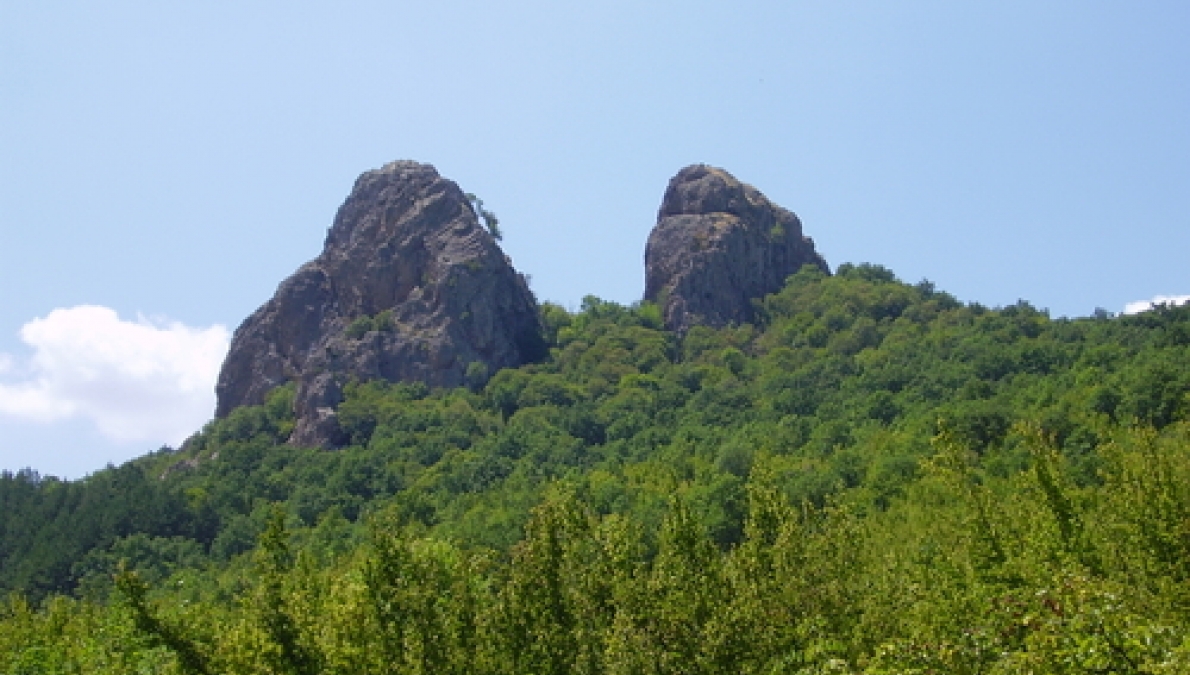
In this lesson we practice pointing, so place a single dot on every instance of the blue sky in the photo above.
(163, 166)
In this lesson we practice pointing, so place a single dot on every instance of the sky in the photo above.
(163, 166)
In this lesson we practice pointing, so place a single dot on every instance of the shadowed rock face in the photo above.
(718, 245)
(409, 287)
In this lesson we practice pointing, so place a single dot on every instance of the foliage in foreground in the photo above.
(967, 573)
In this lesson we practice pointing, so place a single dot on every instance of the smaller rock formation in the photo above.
(718, 245)
(409, 287)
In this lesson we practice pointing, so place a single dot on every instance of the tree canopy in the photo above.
(874, 478)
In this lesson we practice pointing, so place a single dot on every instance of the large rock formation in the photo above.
(409, 287)
(718, 245)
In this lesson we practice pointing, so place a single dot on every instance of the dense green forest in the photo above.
(876, 478)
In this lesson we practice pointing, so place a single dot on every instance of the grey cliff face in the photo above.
(718, 245)
(409, 287)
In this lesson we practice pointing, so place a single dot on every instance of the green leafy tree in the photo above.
(490, 221)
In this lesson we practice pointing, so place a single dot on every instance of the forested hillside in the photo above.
(874, 478)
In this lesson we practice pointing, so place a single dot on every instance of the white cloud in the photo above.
(1146, 305)
(144, 381)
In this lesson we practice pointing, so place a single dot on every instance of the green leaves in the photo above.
(424, 598)
(490, 221)
(288, 649)
(381, 322)
(879, 479)
(192, 657)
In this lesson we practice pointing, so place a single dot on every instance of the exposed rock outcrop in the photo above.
(718, 245)
(409, 287)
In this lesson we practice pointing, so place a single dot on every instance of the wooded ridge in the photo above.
(869, 477)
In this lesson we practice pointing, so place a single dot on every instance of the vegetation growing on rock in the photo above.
(409, 287)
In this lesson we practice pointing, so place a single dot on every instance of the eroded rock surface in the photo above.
(718, 245)
(409, 287)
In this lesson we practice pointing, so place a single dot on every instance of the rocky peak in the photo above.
(409, 287)
(718, 245)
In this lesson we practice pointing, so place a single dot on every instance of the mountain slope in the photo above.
(872, 478)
